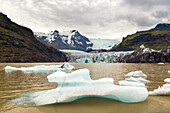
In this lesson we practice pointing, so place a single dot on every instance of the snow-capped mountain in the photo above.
(65, 40)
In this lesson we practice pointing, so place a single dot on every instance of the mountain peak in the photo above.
(17, 44)
(71, 39)
(156, 38)
(163, 26)
(72, 31)
(54, 32)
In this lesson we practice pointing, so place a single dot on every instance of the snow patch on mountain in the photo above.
(65, 40)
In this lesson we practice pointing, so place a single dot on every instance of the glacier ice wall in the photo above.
(95, 57)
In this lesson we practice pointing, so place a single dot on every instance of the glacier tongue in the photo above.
(78, 84)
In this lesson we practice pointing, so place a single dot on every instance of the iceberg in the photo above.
(168, 71)
(136, 74)
(127, 83)
(161, 63)
(164, 90)
(167, 80)
(41, 68)
(78, 84)
(141, 80)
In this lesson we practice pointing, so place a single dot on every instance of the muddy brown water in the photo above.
(17, 82)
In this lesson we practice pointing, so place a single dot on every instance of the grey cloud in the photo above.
(146, 3)
(144, 13)
(161, 14)
(97, 17)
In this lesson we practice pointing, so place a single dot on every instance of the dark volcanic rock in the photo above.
(17, 44)
(146, 55)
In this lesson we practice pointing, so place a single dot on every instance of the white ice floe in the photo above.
(39, 68)
(141, 80)
(136, 74)
(161, 63)
(168, 71)
(127, 83)
(164, 90)
(167, 80)
(78, 84)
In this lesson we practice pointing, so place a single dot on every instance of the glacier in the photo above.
(136, 74)
(41, 68)
(95, 57)
(78, 84)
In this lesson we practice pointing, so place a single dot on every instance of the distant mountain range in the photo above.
(17, 44)
(65, 40)
(156, 38)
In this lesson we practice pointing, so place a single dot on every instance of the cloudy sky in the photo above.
(111, 19)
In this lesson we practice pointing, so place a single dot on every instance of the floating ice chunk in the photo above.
(168, 71)
(161, 63)
(164, 90)
(78, 84)
(127, 83)
(65, 66)
(136, 74)
(167, 80)
(141, 80)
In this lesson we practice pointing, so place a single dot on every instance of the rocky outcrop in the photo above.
(17, 44)
(146, 55)
(156, 38)
(65, 40)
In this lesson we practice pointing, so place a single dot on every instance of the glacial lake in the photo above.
(17, 82)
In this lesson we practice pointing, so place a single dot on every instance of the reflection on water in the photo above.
(18, 82)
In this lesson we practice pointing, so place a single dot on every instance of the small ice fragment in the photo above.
(167, 80)
(136, 74)
(161, 63)
(41, 68)
(127, 83)
(164, 90)
(141, 80)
